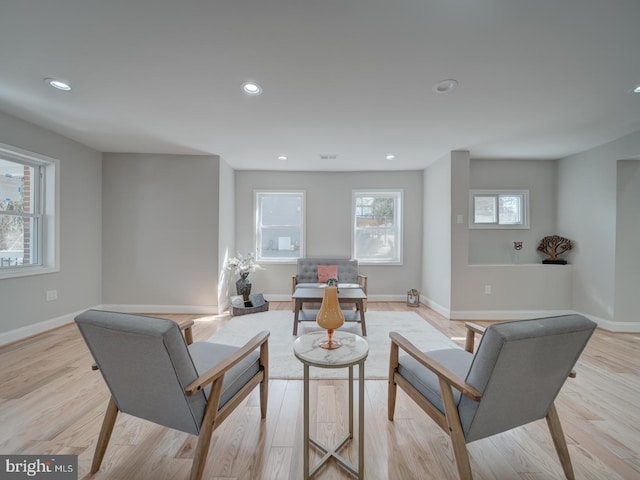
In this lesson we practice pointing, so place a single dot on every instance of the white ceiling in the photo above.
(538, 79)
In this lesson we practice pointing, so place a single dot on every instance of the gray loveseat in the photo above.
(348, 275)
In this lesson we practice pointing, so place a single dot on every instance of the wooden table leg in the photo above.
(362, 322)
(296, 315)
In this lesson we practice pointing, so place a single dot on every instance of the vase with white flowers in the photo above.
(243, 265)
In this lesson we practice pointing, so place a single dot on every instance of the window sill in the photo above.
(7, 273)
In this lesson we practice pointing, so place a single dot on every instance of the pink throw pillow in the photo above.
(325, 272)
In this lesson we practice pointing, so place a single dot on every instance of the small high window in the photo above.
(499, 209)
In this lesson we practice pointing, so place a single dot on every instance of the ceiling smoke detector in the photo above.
(445, 86)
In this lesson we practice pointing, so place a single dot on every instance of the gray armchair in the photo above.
(513, 379)
(153, 374)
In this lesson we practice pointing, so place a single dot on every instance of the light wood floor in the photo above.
(52, 403)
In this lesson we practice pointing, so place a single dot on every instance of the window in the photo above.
(499, 209)
(377, 226)
(279, 225)
(28, 217)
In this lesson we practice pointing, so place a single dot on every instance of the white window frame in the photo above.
(46, 212)
(398, 195)
(257, 196)
(524, 194)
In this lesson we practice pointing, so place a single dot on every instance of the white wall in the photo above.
(495, 246)
(328, 225)
(627, 271)
(160, 223)
(226, 232)
(79, 281)
(587, 202)
(436, 233)
(587, 216)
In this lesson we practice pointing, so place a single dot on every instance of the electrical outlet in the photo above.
(52, 295)
(487, 289)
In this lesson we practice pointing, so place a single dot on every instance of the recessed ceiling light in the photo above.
(58, 84)
(251, 88)
(636, 89)
(390, 156)
(282, 157)
(445, 86)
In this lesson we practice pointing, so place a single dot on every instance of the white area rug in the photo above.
(283, 364)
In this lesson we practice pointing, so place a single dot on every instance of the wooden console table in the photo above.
(346, 295)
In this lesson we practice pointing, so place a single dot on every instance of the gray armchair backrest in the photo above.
(520, 367)
(146, 365)
(308, 269)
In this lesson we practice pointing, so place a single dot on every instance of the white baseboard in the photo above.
(387, 298)
(445, 312)
(36, 328)
(618, 327)
(505, 314)
(186, 309)
(40, 327)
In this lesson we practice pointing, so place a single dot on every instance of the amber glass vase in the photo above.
(330, 316)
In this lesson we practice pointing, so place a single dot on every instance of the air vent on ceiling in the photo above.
(328, 156)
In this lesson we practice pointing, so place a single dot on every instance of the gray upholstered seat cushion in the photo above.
(206, 355)
(426, 382)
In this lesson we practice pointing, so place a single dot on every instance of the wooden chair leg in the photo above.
(105, 434)
(206, 430)
(264, 395)
(393, 387)
(264, 385)
(559, 441)
(469, 341)
(455, 432)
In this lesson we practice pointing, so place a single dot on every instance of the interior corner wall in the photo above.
(78, 283)
(627, 271)
(436, 233)
(160, 224)
(226, 232)
(499, 291)
(587, 212)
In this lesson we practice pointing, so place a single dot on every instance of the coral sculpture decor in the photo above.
(553, 246)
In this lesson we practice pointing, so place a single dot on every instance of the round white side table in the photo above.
(354, 351)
